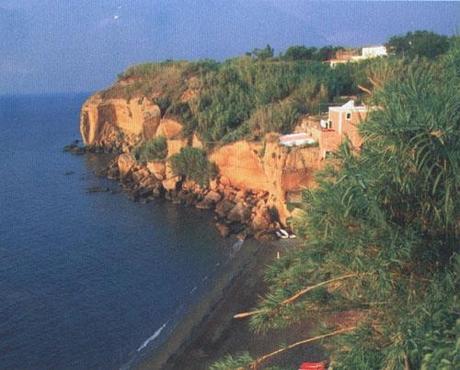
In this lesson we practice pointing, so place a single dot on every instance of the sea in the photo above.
(87, 280)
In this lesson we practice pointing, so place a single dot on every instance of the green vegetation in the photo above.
(420, 43)
(194, 165)
(383, 234)
(262, 54)
(300, 52)
(242, 93)
(152, 150)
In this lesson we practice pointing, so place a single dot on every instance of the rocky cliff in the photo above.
(267, 166)
(118, 123)
(255, 182)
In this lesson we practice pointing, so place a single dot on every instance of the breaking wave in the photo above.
(152, 338)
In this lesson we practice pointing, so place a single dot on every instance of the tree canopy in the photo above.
(300, 52)
(419, 43)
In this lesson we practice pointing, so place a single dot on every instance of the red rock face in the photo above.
(268, 168)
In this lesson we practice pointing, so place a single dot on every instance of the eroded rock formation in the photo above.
(118, 123)
(268, 167)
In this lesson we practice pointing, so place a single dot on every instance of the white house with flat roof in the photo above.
(374, 51)
(367, 52)
(296, 139)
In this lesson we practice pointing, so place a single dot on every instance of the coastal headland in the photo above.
(250, 192)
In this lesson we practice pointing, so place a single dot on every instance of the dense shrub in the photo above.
(300, 52)
(419, 43)
(152, 150)
(243, 91)
(194, 165)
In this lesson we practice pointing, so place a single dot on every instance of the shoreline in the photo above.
(208, 331)
(190, 326)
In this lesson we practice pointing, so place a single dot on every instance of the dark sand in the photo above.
(209, 332)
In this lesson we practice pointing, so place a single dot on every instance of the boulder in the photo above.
(169, 128)
(112, 172)
(210, 199)
(265, 236)
(223, 229)
(213, 185)
(186, 197)
(125, 164)
(261, 219)
(241, 195)
(204, 204)
(239, 213)
(171, 183)
(139, 175)
(213, 197)
(149, 182)
(157, 191)
(224, 207)
(175, 146)
(158, 169)
(196, 142)
(189, 185)
(144, 192)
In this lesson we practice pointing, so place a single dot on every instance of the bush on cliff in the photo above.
(152, 150)
(194, 165)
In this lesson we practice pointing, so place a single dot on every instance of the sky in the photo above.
(49, 46)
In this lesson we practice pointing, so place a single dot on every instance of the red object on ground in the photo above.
(312, 366)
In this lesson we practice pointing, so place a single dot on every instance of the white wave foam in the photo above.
(152, 338)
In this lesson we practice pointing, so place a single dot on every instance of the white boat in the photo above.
(283, 234)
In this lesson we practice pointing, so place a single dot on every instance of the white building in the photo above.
(368, 52)
(374, 51)
(296, 139)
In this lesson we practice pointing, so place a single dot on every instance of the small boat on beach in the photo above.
(282, 234)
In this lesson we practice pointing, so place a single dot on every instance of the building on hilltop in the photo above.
(374, 51)
(342, 122)
(351, 55)
(328, 132)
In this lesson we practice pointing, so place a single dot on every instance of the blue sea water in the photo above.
(87, 281)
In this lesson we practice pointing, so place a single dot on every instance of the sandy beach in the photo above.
(209, 332)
